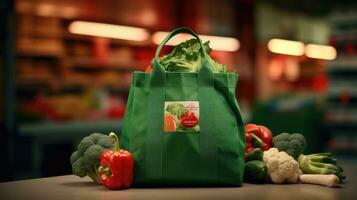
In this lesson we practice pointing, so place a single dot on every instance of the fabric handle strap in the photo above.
(156, 63)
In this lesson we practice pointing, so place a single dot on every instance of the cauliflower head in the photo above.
(281, 167)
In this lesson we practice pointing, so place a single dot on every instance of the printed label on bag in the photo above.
(181, 116)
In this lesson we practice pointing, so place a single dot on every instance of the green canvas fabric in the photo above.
(212, 156)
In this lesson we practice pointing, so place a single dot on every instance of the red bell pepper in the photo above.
(189, 119)
(116, 167)
(257, 136)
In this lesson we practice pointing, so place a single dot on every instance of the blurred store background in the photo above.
(66, 73)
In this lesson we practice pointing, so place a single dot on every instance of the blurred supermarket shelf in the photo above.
(348, 116)
(39, 53)
(43, 134)
(43, 83)
(342, 143)
(84, 38)
(111, 64)
(341, 98)
(343, 62)
(342, 83)
(337, 90)
(55, 131)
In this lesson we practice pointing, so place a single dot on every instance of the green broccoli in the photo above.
(85, 161)
(292, 144)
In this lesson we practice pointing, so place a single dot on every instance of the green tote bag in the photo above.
(184, 129)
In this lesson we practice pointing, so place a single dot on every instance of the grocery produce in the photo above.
(176, 109)
(85, 161)
(116, 167)
(169, 122)
(320, 163)
(281, 167)
(329, 180)
(255, 171)
(292, 144)
(257, 136)
(189, 119)
(255, 154)
(187, 57)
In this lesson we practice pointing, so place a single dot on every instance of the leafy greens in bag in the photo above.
(187, 57)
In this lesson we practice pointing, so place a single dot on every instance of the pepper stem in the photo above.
(105, 170)
(116, 141)
(258, 142)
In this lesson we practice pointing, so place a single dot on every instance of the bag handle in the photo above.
(156, 63)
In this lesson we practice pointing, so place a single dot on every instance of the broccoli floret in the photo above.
(77, 165)
(85, 161)
(292, 144)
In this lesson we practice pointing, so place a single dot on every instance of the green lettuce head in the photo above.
(187, 57)
(176, 109)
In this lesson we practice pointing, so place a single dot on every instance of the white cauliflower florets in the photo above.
(281, 167)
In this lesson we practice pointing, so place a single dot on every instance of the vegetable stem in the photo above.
(116, 141)
(258, 141)
(328, 180)
(105, 170)
(93, 174)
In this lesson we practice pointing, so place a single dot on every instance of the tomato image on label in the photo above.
(189, 119)
(169, 123)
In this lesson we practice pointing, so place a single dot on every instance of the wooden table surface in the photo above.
(72, 187)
